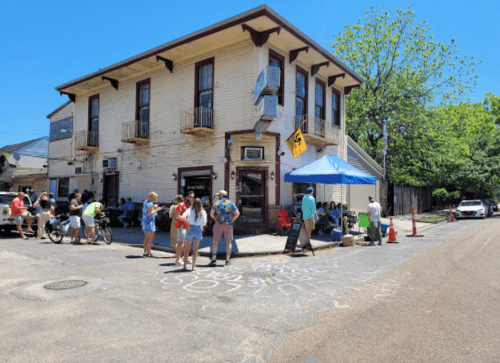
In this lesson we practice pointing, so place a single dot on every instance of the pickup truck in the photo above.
(6, 220)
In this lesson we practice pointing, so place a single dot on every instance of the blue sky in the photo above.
(44, 44)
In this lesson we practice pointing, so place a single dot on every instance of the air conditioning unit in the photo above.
(252, 153)
(109, 163)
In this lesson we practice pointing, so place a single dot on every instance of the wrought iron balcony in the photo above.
(135, 132)
(86, 140)
(197, 121)
(318, 131)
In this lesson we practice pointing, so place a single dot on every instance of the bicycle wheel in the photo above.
(106, 234)
(56, 235)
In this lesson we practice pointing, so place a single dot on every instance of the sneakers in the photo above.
(178, 263)
(371, 244)
(380, 243)
(212, 263)
(228, 262)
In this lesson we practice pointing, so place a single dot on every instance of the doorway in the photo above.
(197, 180)
(251, 196)
(111, 188)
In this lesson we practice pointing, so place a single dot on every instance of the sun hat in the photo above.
(222, 192)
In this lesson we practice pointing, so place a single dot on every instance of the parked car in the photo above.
(471, 209)
(6, 220)
(494, 204)
(489, 207)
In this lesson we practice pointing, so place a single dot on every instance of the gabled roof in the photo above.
(356, 147)
(261, 17)
(57, 109)
(36, 147)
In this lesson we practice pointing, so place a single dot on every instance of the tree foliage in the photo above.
(419, 88)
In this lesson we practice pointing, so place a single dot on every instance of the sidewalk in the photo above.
(264, 244)
(243, 245)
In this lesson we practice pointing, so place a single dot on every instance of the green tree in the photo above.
(405, 72)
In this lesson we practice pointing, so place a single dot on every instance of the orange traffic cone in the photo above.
(392, 234)
(414, 224)
(452, 218)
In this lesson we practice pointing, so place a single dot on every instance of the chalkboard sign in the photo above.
(297, 232)
(293, 236)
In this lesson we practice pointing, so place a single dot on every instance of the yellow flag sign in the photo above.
(296, 143)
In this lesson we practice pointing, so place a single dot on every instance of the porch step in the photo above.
(244, 230)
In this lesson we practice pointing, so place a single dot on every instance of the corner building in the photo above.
(181, 116)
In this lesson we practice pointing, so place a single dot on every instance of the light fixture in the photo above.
(214, 176)
(174, 176)
(229, 142)
(258, 136)
(272, 175)
(233, 174)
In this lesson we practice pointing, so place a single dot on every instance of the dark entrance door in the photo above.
(252, 196)
(111, 188)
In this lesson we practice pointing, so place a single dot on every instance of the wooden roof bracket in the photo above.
(72, 96)
(294, 53)
(332, 79)
(315, 67)
(168, 63)
(260, 38)
(114, 82)
(348, 89)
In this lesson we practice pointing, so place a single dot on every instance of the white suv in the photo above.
(6, 221)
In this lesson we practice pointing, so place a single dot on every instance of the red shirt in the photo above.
(181, 208)
(16, 202)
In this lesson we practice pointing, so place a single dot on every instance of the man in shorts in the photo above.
(19, 212)
(224, 213)
(88, 216)
(309, 212)
(75, 209)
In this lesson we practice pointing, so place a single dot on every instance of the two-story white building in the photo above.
(182, 117)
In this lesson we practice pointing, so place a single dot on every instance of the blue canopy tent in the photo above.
(330, 169)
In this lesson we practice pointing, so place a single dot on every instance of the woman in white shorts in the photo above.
(197, 219)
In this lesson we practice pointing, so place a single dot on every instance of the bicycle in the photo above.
(102, 229)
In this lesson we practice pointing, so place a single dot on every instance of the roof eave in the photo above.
(262, 10)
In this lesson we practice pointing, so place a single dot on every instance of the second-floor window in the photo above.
(300, 96)
(204, 83)
(93, 120)
(277, 60)
(319, 110)
(335, 107)
(142, 107)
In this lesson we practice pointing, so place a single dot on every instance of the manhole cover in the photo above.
(260, 274)
(63, 285)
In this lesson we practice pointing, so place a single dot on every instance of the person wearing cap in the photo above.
(309, 212)
(374, 217)
(224, 213)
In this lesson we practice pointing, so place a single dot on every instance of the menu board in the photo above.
(297, 232)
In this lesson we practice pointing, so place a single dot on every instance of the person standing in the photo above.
(72, 195)
(45, 205)
(224, 213)
(92, 210)
(197, 219)
(181, 225)
(75, 210)
(173, 229)
(374, 218)
(19, 212)
(309, 212)
(148, 222)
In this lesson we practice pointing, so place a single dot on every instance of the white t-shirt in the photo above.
(374, 210)
(190, 215)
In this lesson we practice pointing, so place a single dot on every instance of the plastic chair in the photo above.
(284, 223)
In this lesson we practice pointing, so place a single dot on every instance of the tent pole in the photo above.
(342, 208)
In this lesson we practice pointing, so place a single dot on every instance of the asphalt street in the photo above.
(429, 299)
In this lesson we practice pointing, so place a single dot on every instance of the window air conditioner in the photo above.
(253, 153)
(109, 163)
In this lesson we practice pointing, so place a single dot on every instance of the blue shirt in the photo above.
(145, 218)
(308, 206)
(128, 208)
(223, 208)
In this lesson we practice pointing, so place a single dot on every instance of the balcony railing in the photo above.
(135, 132)
(195, 120)
(86, 140)
(317, 130)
